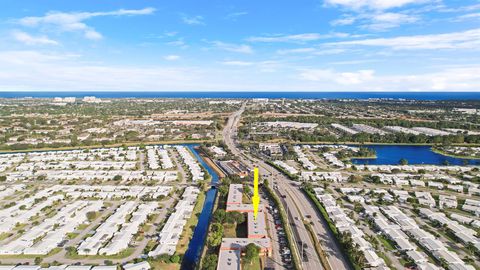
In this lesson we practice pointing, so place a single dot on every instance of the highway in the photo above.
(299, 208)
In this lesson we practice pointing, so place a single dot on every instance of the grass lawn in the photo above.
(23, 256)
(72, 235)
(20, 226)
(156, 265)
(123, 254)
(386, 259)
(82, 226)
(190, 226)
(254, 266)
(386, 243)
(229, 231)
(4, 236)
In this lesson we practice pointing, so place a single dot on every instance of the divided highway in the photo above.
(299, 208)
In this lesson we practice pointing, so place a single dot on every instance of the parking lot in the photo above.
(282, 258)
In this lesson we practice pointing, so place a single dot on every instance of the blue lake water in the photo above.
(247, 94)
(391, 155)
(196, 245)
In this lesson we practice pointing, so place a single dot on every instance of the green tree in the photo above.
(355, 178)
(91, 215)
(175, 259)
(223, 190)
(219, 216)
(252, 253)
(238, 217)
(210, 262)
(214, 239)
(403, 161)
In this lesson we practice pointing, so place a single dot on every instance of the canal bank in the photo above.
(195, 248)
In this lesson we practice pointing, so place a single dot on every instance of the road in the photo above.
(297, 205)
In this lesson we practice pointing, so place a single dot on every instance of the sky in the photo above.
(240, 45)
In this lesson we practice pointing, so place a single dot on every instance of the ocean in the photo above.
(244, 95)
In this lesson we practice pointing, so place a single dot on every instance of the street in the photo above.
(296, 204)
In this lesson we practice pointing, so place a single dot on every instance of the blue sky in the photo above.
(240, 45)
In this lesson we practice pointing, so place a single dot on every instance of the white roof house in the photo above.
(137, 266)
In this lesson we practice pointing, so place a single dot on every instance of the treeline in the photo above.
(301, 136)
(379, 122)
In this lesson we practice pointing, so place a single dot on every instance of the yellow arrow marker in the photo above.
(256, 197)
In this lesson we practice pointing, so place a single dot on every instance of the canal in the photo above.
(193, 254)
(414, 154)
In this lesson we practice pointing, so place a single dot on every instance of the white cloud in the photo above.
(387, 20)
(296, 51)
(469, 16)
(19, 58)
(238, 48)
(238, 63)
(467, 8)
(28, 39)
(178, 43)
(296, 38)
(287, 38)
(235, 15)
(377, 21)
(311, 51)
(192, 20)
(345, 20)
(469, 39)
(171, 57)
(267, 66)
(32, 70)
(343, 78)
(373, 4)
(93, 35)
(450, 79)
(74, 21)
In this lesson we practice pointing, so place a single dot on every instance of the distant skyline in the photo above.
(218, 45)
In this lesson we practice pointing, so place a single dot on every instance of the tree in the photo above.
(215, 237)
(3, 178)
(38, 260)
(223, 190)
(210, 262)
(117, 177)
(357, 207)
(230, 218)
(403, 161)
(175, 259)
(246, 190)
(91, 215)
(219, 216)
(252, 253)
(355, 178)
(238, 217)
(71, 250)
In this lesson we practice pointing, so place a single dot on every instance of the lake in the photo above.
(391, 155)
